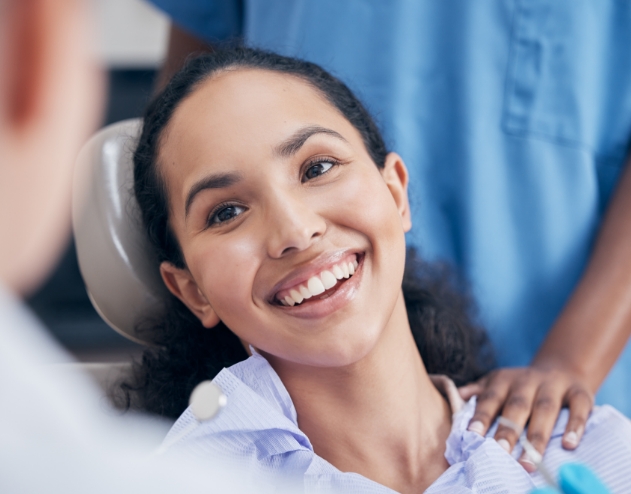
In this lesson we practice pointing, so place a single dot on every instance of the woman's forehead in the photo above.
(256, 105)
(240, 114)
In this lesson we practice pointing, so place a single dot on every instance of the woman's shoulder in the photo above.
(257, 434)
(258, 421)
(602, 416)
(605, 447)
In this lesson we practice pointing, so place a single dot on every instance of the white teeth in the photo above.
(337, 272)
(304, 291)
(345, 270)
(328, 279)
(315, 285)
(319, 284)
(296, 296)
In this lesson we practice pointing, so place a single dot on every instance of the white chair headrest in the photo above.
(116, 260)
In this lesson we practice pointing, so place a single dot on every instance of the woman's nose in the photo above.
(292, 225)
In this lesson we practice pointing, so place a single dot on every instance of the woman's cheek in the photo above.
(226, 272)
(372, 205)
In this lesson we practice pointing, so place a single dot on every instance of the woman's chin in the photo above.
(340, 351)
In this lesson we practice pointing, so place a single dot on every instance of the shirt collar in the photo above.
(258, 406)
(259, 401)
(260, 420)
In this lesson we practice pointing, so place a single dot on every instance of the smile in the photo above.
(318, 285)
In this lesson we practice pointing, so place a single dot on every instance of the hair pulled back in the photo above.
(439, 313)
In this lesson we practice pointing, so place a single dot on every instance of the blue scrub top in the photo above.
(513, 117)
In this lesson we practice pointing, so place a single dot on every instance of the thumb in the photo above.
(471, 389)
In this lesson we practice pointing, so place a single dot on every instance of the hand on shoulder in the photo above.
(534, 396)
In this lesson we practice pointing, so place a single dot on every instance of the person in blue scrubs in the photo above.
(514, 118)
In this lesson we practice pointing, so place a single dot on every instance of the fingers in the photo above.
(580, 402)
(490, 401)
(533, 396)
(545, 412)
(517, 409)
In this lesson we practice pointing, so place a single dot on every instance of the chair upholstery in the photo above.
(116, 261)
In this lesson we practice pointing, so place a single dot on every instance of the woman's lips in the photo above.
(330, 300)
(319, 283)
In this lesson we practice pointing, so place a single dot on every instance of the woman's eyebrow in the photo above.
(291, 145)
(214, 181)
(286, 148)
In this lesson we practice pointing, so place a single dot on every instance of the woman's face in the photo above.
(273, 197)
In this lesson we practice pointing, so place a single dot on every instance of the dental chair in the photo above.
(120, 274)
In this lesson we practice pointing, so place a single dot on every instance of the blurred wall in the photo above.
(132, 38)
(132, 34)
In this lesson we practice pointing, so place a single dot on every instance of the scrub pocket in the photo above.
(568, 78)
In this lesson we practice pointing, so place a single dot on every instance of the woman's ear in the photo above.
(395, 175)
(180, 283)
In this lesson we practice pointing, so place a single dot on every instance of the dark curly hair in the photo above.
(439, 311)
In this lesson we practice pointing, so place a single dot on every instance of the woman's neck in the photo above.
(380, 417)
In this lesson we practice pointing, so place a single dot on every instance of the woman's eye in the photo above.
(226, 213)
(317, 169)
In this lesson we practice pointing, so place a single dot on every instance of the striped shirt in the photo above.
(259, 431)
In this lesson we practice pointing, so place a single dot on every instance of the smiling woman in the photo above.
(279, 219)
(215, 199)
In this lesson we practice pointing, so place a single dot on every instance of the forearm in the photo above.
(181, 46)
(595, 325)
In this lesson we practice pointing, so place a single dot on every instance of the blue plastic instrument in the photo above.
(575, 478)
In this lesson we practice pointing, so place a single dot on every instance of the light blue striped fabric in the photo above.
(259, 431)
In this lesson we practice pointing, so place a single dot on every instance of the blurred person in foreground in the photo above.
(56, 434)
